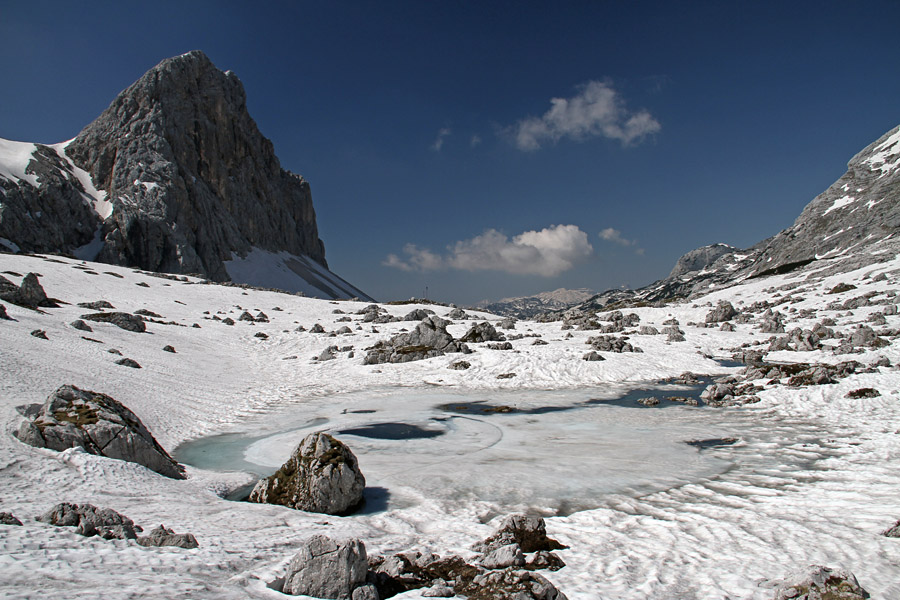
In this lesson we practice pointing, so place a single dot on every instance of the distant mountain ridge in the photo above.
(174, 176)
(525, 307)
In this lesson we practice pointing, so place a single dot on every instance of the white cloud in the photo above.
(476, 140)
(439, 141)
(547, 253)
(596, 110)
(615, 236)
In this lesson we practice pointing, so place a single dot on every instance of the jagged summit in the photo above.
(174, 176)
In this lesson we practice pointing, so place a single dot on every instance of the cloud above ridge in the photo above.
(597, 110)
(546, 253)
(439, 140)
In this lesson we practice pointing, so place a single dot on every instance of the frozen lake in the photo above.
(551, 452)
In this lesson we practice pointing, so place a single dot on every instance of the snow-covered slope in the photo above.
(811, 479)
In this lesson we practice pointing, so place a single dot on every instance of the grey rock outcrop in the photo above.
(893, 532)
(121, 320)
(482, 332)
(820, 583)
(724, 311)
(699, 259)
(322, 475)
(325, 568)
(191, 176)
(29, 293)
(72, 418)
(8, 519)
(430, 338)
(89, 521)
(163, 536)
(530, 533)
(509, 555)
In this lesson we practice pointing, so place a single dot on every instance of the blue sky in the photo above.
(490, 149)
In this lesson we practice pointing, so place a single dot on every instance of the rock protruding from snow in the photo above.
(75, 418)
(820, 583)
(89, 521)
(163, 536)
(29, 294)
(430, 338)
(530, 533)
(8, 519)
(326, 568)
(121, 320)
(322, 475)
(482, 332)
(724, 311)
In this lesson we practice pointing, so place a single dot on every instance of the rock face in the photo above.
(174, 176)
(29, 294)
(89, 520)
(820, 583)
(72, 418)
(530, 533)
(200, 178)
(321, 476)
(699, 259)
(325, 568)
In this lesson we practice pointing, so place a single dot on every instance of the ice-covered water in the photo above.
(552, 452)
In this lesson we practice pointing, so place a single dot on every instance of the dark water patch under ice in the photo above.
(392, 431)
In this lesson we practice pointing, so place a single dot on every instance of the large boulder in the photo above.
(89, 520)
(724, 311)
(820, 583)
(482, 332)
(72, 417)
(325, 568)
(430, 338)
(513, 584)
(322, 475)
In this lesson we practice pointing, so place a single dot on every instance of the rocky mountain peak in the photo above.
(190, 177)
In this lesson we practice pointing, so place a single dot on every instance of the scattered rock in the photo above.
(592, 357)
(128, 362)
(893, 532)
(724, 311)
(648, 401)
(89, 521)
(8, 519)
(439, 590)
(39, 333)
(459, 365)
(506, 375)
(429, 339)
(322, 475)
(499, 346)
(96, 305)
(513, 584)
(482, 332)
(863, 393)
(820, 583)
(161, 536)
(114, 351)
(122, 320)
(611, 343)
(80, 325)
(458, 314)
(169, 349)
(147, 313)
(228, 321)
(325, 568)
(841, 287)
(29, 294)
(539, 342)
(507, 323)
(261, 335)
(418, 314)
(71, 417)
(530, 533)
(3, 314)
(648, 330)
(543, 559)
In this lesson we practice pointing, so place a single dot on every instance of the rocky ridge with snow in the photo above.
(174, 176)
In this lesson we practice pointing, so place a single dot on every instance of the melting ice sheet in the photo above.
(553, 452)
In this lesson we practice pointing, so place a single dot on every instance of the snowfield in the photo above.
(812, 478)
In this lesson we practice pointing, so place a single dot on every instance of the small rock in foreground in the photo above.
(8, 519)
(89, 520)
(820, 583)
(162, 536)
